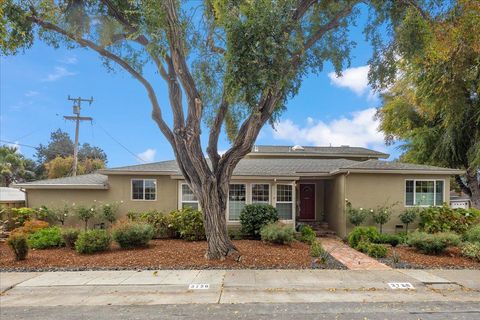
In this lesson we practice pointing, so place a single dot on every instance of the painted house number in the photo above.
(400, 285)
(199, 286)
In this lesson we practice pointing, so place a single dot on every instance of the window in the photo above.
(424, 192)
(261, 193)
(188, 198)
(285, 201)
(236, 201)
(144, 189)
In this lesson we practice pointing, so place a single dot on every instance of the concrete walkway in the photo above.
(92, 288)
(351, 258)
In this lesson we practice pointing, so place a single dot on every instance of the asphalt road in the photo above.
(302, 311)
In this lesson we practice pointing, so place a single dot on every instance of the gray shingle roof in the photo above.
(94, 179)
(326, 151)
(392, 165)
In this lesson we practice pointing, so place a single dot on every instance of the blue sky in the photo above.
(34, 88)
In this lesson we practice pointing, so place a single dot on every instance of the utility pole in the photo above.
(77, 118)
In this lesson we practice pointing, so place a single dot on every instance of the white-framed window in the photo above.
(188, 199)
(424, 193)
(261, 193)
(237, 197)
(144, 189)
(284, 201)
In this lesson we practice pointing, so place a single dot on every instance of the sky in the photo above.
(34, 87)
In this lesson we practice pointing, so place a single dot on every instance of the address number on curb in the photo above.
(199, 286)
(400, 285)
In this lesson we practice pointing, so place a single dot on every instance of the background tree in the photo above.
(227, 63)
(62, 167)
(433, 105)
(14, 167)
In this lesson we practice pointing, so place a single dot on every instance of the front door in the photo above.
(307, 201)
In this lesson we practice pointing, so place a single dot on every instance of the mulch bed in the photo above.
(410, 258)
(165, 254)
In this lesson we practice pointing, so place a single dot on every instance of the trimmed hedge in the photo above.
(277, 233)
(93, 241)
(369, 234)
(46, 238)
(131, 235)
(433, 243)
(255, 216)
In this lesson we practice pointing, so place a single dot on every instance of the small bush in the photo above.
(93, 241)
(356, 216)
(235, 233)
(363, 246)
(132, 234)
(308, 235)
(86, 214)
(31, 226)
(188, 223)
(46, 238)
(163, 224)
(471, 250)
(277, 233)
(390, 239)
(255, 216)
(18, 244)
(369, 234)
(433, 243)
(376, 250)
(382, 215)
(444, 219)
(317, 251)
(109, 212)
(70, 236)
(473, 234)
(408, 216)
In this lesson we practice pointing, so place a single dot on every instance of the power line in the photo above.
(18, 144)
(119, 143)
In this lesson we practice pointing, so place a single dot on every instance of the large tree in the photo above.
(225, 62)
(433, 106)
(14, 167)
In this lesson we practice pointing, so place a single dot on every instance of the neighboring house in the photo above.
(11, 197)
(304, 183)
(459, 200)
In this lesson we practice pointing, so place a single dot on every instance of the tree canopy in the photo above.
(14, 167)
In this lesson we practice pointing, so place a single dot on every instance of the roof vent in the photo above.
(345, 146)
(297, 147)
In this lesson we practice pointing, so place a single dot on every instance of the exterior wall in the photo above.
(366, 190)
(335, 205)
(319, 198)
(119, 190)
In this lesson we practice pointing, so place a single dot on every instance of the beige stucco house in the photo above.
(305, 184)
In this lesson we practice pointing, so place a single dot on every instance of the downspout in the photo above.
(344, 202)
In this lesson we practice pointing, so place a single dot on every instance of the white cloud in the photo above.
(70, 60)
(359, 129)
(355, 79)
(147, 155)
(31, 93)
(58, 73)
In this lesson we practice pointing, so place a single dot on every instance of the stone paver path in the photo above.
(351, 258)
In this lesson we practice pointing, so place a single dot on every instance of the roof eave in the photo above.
(400, 171)
(136, 172)
(321, 155)
(62, 186)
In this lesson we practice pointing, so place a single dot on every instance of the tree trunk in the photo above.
(472, 183)
(212, 198)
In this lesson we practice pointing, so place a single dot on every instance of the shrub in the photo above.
(163, 224)
(355, 216)
(15, 217)
(277, 233)
(235, 233)
(369, 234)
(109, 212)
(254, 216)
(471, 250)
(188, 223)
(132, 234)
(46, 238)
(70, 236)
(308, 235)
(473, 234)
(363, 246)
(376, 250)
(408, 216)
(442, 219)
(433, 243)
(93, 241)
(390, 239)
(18, 244)
(31, 226)
(382, 215)
(85, 214)
(317, 251)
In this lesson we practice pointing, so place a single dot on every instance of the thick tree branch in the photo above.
(156, 111)
(215, 129)
(465, 189)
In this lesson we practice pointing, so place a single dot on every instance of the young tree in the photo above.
(433, 105)
(231, 63)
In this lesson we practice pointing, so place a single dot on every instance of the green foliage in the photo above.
(14, 167)
(46, 238)
(18, 244)
(188, 223)
(93, 241)
(308, 235)
(254, 216)
(70, 236)
(408, 216)
(356, 216)
(376, 250)
(110, 211)
(234, 233)
(278, 233)
(163, 224)
(473, 234)
(369, 234)
(433, 243)
(441, 219)
(471, 250)
(317, 251)
(382, 215)
(391, 239)
(132, 234)
(22, 215)
(86, 214)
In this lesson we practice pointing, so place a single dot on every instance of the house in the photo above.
(305, 184)
(459, 200)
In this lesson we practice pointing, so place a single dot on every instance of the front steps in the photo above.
(320, 227)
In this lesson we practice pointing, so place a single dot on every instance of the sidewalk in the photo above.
(92, 288)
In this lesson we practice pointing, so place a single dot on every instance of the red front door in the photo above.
(307, 201)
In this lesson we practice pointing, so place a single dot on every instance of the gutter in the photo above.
(63, 186)
(399, 171)
(135, 173)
